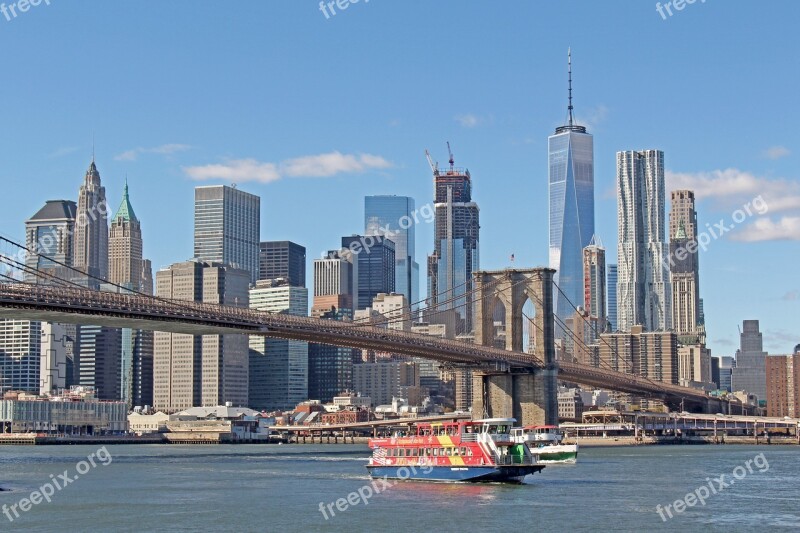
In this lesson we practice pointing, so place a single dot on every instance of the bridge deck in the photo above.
(84, 306)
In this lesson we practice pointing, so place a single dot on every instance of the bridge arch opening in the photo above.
(529, 332)
(499, 324)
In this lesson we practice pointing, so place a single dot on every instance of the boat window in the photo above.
(493, 429)
(502, 429)
(463, 451)
(436, 452)
(448, 452)
(455, 452)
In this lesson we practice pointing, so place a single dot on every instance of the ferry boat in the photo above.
(546, 441)
(464, 451)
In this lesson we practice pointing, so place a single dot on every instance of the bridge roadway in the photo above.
(84, 306)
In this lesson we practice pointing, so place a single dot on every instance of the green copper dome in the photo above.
(125, 210)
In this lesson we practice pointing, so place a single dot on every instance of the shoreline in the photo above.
(583, 442)
(608, 442)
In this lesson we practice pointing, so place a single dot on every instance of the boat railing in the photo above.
(509, 460)
(469, 437)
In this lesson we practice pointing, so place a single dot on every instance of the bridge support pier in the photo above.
(529, 395)
(530, 398)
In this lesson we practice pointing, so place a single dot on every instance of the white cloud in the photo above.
(63, 151)
(736, 190)
(468, 120)
(312, 166)
(791, 296)
(731, 188)
(164, 149)
(765, 229)
(128, 155)
(776, 152)
(593, 117)
(235, 171)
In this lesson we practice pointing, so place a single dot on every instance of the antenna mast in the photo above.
(569, 69)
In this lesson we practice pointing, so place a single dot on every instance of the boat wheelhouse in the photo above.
(469, 451)
(546, 441)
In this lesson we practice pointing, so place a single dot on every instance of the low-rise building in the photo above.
(153, 423)
(346, 416)
(69, 414)
(570, 405)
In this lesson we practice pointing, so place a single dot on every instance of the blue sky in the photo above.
(259, 90)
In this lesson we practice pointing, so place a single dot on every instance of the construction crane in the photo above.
(452, 159)
(434, 165)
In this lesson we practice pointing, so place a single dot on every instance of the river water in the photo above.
(280, 489)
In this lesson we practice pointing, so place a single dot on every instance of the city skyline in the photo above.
(496, 149)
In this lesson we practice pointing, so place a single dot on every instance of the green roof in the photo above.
(125, 210)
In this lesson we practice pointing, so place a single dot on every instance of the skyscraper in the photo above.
(50, 235)
(750, 373)
(91, 228)
(333, 285)
(611, 284)
(278, 367)
(394, 218)
(373, 260)
(571, 183)
(684, 264)
(643, 290)
(330, 368)
(128, 269)
(282, 260)
(125, 246)
(34, 355)
(594, 281)
(456, 246)
(195, 370)
(227, 227)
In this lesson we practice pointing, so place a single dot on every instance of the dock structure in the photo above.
(716, 427)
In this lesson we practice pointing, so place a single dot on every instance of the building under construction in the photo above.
(455, 255)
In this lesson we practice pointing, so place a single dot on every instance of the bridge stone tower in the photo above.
(529, 395)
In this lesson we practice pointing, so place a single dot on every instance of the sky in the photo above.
(312, 112)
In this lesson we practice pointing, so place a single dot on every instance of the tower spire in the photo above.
(569, 69)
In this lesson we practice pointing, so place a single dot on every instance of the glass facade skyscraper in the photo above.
(394, 218)
(227, 227)
(373, 263)
(571, 189)
(611, 294)
(456, 247)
